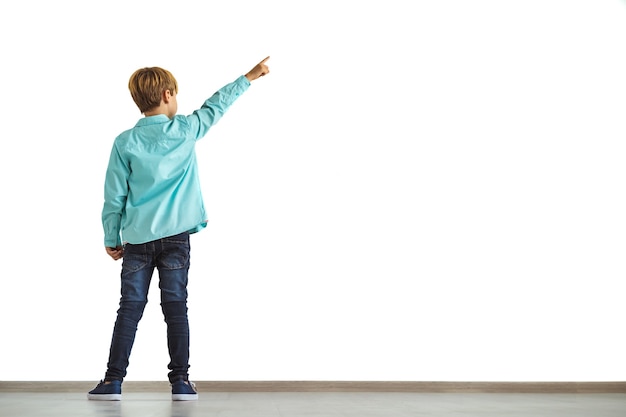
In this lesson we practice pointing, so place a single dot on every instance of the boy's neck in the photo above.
(155, 112)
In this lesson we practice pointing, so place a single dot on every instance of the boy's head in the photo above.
(148, 85)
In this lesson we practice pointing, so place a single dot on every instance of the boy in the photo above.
(152, 199)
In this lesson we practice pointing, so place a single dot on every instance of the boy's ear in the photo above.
(167, 95)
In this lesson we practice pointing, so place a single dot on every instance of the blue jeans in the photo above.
(170, 256)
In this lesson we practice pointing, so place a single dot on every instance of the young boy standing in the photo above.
(152, 203)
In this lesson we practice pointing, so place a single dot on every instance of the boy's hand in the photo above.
(115, 253)
(259, 70)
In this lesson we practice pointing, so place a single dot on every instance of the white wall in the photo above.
(418, 191)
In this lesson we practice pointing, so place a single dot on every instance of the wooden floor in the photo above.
(321, 398)
(314, 404)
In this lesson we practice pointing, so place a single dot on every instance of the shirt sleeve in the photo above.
(201, 120)
(115, 195)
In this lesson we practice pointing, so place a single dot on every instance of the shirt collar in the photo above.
(152, 120)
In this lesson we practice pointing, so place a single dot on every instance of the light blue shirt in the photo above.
(152, 189)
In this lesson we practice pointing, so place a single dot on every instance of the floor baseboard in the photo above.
(580, 387)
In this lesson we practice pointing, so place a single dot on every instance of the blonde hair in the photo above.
(147, 85)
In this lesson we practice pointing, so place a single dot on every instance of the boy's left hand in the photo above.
(115, 253)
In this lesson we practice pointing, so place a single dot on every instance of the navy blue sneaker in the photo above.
(184, 391)
(106, 391)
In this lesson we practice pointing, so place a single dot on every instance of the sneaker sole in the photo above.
(104, 397)
(184, 397)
